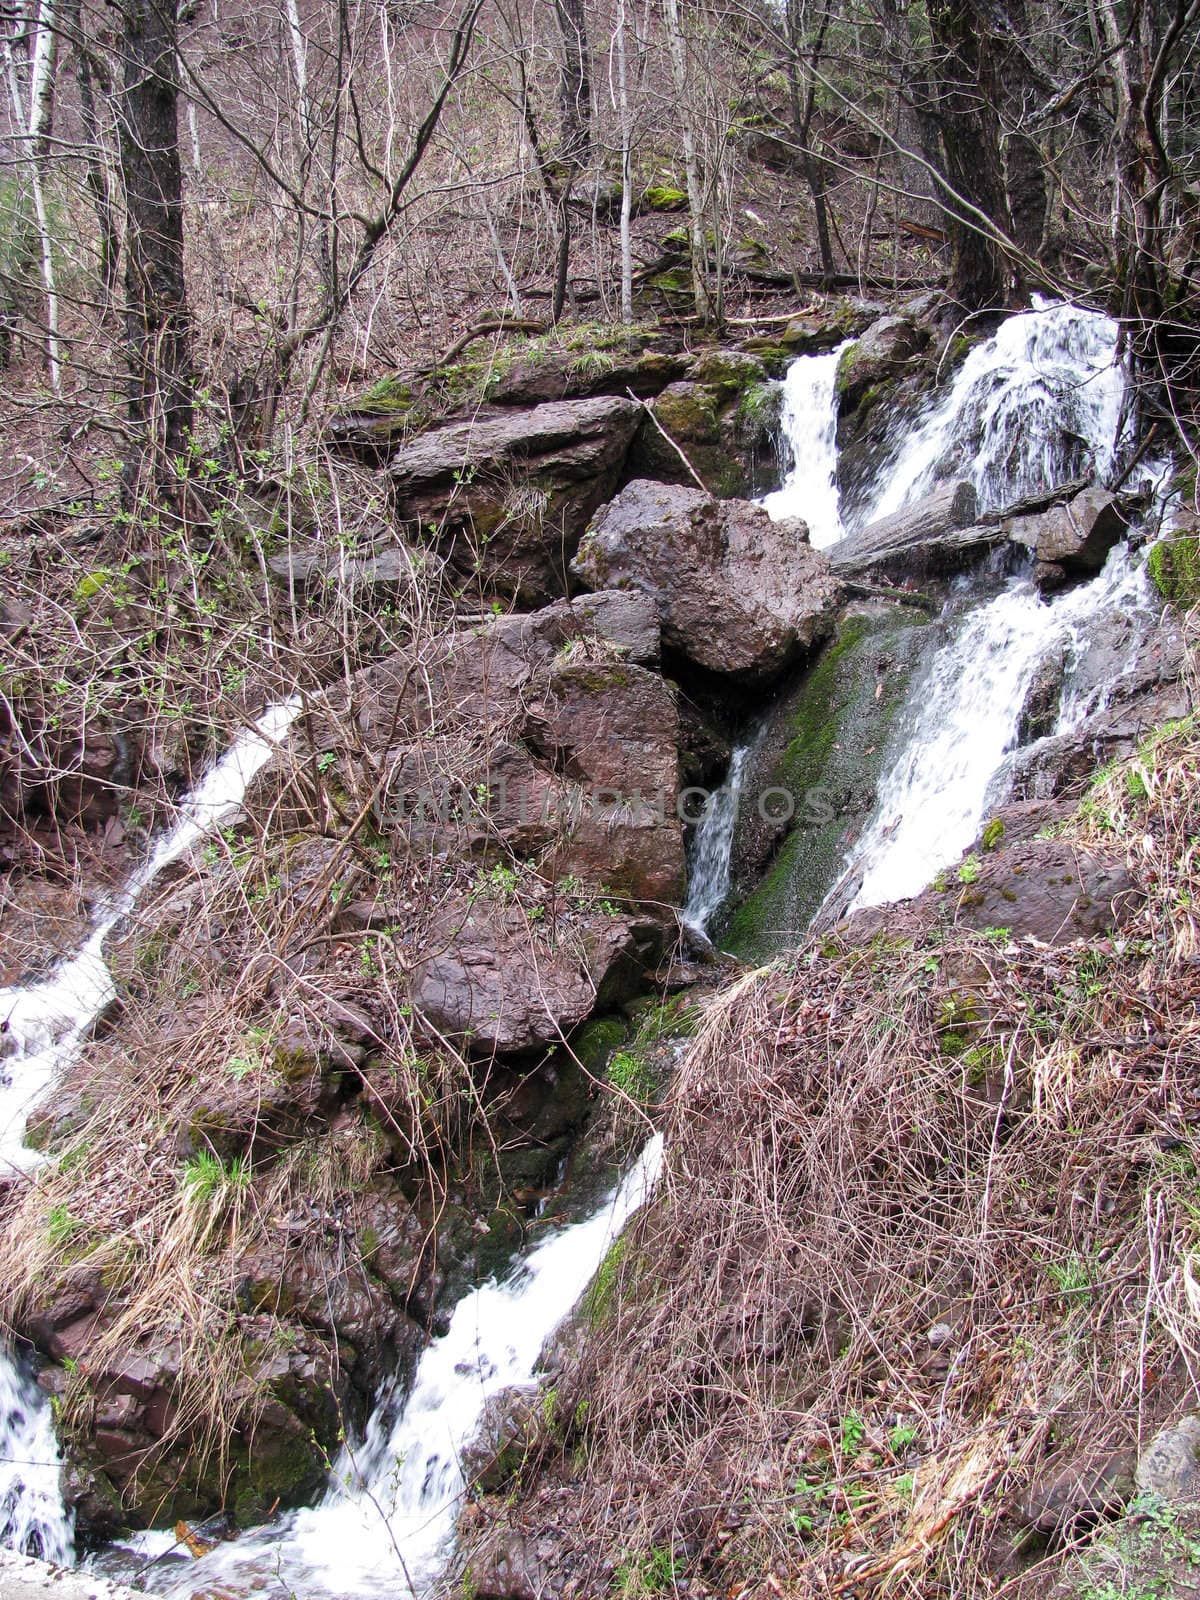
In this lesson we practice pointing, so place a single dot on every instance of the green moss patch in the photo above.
(1174, 565)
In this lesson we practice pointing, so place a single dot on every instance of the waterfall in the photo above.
(808, 424)
(32, 1517)
(46, 1024)
(1033, 406)
(712, 848)
(387, 1519)
(1036, 405)
(963, 717)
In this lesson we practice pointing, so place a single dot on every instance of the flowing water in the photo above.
(1038, 404)
(963, 718)
(808, 423)
(46, 1023)
(1030, 409)
(711, 854)
(387, 1519)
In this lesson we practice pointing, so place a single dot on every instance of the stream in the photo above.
(1039, 403)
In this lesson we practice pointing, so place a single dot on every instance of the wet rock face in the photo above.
(1050, 891)
(1071, 540)
(811, 784)
(507, 494)
(1034, 888)
(739, 595)
(722, 419)
(134, 1451)
(882, 353)
(1126, 677)
(934, 537)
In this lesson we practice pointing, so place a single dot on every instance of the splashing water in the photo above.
(46, 1024)
(32, 1518)
(387, 1519)
(809, 427)
(712, 848)
(963, 719)
(1038, 404)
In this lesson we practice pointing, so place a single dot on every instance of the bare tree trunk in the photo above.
(31, 108)
(803, 105)
(157, 326)
(691, 163)
(964, 101)
(575, 99)
(626, 168)
(99, 177)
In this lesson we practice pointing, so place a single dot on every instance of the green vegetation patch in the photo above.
(1174, 565)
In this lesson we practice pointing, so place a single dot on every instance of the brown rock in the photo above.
(1074, 537)
(505, 1565)
(508, 493)
(935, 536)
(1081, 1489)
(738, 594)
(498, 986)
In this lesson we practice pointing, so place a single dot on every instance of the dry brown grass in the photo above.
(986, 1142)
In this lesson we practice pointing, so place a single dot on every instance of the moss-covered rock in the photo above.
(812, 782)
(1174, 565)
(596, 1041)
(662, 197)
(723, 418)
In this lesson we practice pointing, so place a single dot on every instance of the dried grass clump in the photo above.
(931, 1215)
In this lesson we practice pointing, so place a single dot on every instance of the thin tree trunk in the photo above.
(626, 169)
(99, 174)
(157, 325)
(691, 164)
(803, 109)
(575, 98)
(32, 116)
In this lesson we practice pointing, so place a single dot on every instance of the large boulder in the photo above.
(506, 494)
(720, 424)
(538, 759)
(739, 595)
(884, 351)
(1072, 539)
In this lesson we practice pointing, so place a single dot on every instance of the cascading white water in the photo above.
(46, 1023)
(712, 848)
(387, 1520)
(808, 423)
(1037, 404)
(964, 716)
(32, 1518)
